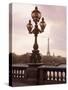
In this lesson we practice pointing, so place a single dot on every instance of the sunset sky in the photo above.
(55, 18)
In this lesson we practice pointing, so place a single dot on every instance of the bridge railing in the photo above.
(40, 74)
(52, 74)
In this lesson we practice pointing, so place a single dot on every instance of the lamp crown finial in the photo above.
(42, 18)
(36, 8)
(29, 21)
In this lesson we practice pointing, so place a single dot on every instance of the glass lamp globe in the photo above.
(36, 15)
(42, 25)
(29, 26)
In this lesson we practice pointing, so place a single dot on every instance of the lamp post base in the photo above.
(35, 57)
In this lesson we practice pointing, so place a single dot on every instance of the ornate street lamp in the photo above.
(36, 15)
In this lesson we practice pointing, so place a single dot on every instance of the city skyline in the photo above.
(55, 18)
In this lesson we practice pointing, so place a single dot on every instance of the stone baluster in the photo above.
(64, 76)
(48, 75)
(61, 75)
(57, 75)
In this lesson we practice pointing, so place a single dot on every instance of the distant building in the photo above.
(53, 54)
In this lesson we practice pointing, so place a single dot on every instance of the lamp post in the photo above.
(36, 15)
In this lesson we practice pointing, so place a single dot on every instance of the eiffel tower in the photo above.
(48, 49)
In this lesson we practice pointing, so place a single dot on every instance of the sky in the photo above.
(55, 18)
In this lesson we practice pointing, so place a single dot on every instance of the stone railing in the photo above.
(39, 74)
(52, 74)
